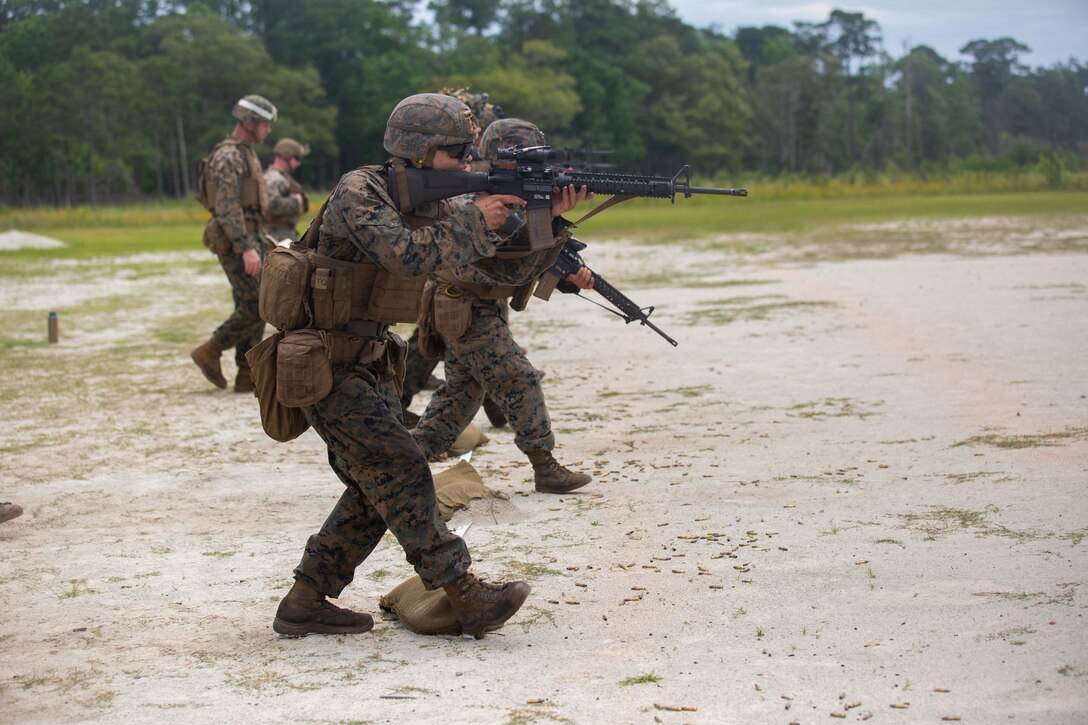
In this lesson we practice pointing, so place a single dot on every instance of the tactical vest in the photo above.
(301, 288)
(253, 194)
(285, 221)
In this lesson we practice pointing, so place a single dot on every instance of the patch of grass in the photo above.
(378, 575)
(943, 520)
(76, 589)
(100, 699)
(218, 554)
(734, 309)
(897, 542)
(529, 570)
(640, 679)
(832, 408)
(1042, 440)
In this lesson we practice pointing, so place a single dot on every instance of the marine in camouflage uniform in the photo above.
(286, 199)
(388, 484)
(418, 370)
(484, 359)
(233, 186)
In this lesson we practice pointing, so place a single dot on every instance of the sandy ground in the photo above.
(855, 490)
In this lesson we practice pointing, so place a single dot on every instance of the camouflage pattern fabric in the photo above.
(486, 360)
(388, 486)
(284, 209)
(388, 482)
(244, 328)
(226, 169)
(417, 371)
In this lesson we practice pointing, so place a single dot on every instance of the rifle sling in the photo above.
(401, 177)
(610, 203)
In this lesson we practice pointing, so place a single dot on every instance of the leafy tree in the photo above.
(995, 63)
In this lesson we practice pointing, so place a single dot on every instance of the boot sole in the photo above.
(546, 489)
(293, 629)
(479, 629)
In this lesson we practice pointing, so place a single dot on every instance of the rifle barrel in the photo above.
(689, 190)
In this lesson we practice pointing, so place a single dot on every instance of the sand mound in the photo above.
(16, 239)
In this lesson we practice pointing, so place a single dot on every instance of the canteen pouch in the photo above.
(284, 297)
(215, 239)
(452, 315)
(303, 368)
(279, 422)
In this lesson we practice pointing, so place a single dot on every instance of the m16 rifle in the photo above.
(569, 262)
(526, 173)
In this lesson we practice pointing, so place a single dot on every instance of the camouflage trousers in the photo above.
(388, 485)
(417, 370)
(486, 361)
(244, 328)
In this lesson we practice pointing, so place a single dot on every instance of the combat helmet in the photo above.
(507, 132)
(288, 148)
(480, 104)
(254, 109)
(423, 122)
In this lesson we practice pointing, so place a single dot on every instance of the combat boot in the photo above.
(206, 358)
(551, 477)
(482, 606)
(243, 383)
(494, 413)
(306, 611)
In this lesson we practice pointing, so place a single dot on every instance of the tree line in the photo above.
(110, 100)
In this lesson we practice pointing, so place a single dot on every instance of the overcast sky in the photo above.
(1055, 30)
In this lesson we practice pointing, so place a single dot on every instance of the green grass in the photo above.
(772, 207)
(716, 215)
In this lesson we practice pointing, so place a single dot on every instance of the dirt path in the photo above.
(856, 488)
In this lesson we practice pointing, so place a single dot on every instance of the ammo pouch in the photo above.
(452, 312)
(279, 422)
(215, 239)
(304, 368)
(301, 288)
(284, 297)
(306, 357)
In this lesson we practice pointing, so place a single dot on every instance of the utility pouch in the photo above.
(279, 422)
(452, 314)
(331, 287)
(215, 239)
(284, 297)
(394, 300)
(303, 368)
(430, 342)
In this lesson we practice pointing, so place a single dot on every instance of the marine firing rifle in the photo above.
(569, 262)
(526, 173)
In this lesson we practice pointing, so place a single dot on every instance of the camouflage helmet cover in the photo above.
(507, 132)
(480, 103)
(288, 148)
(254, 109)
(423, 122)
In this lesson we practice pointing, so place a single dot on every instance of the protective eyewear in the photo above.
(459, 151)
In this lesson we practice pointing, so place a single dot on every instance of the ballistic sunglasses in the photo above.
(459, 151)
